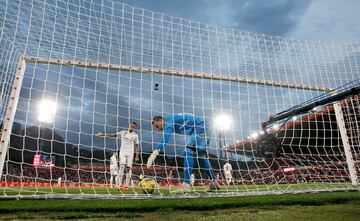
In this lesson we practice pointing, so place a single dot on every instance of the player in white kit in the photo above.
(126, 156)
(192, 179)
(59, 181)
(228, 172)
(114, 169)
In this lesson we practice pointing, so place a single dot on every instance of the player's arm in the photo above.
(137, 152)
(137, 148)
(169, 130)
(106, 134)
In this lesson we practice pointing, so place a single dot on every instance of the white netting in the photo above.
(106, 64)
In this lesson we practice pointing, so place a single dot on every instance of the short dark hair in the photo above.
(134, 123)
(156, 118)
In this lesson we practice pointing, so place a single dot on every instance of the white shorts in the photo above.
(126, 159)
(228, 176)
(113, 171)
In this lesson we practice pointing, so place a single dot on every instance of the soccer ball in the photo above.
(148, 185)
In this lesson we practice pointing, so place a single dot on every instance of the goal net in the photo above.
(282, 112)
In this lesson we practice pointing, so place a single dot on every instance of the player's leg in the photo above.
(111, 180)
(202, 140)
(112, 174)
(121, 173)
(205, 162)
(121, 168)
(128, 176)
(117, 179)
(188, 155)
(227, 178)
(129, 163)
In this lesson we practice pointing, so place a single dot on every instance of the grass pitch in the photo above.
(164, 206)
(136, 191)
(315, 206)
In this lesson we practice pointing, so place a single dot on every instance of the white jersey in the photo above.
(128, 140)
(113, 165)
(227, 168)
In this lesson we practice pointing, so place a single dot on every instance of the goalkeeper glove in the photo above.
(152, 158)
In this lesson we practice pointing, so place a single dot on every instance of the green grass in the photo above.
(330, 212)
(310, 206)
(10, 191)
(315, 206)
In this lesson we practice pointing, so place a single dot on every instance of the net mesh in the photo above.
(106, 64)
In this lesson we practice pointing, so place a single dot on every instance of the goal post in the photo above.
(345, 141)
(12, 68)
(8, 119)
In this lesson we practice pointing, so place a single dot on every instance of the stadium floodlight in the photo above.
(223, 122)
(254, 135)
(47, 111)
(275, 126)
(316, 109)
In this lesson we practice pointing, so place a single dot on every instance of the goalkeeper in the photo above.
(199, 131)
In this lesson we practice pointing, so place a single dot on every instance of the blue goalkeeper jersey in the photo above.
(184, 124)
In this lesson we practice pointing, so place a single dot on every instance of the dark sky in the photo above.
(307, 19)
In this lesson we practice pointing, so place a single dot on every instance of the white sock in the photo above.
(111, 180)
(117, 180)
(128, 177)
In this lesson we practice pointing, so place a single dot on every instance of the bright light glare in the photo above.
(276, 126)
(254, 135)
(317, 108)
(47, 110)
(223, 122)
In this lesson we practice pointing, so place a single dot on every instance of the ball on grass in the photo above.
(148, 185)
